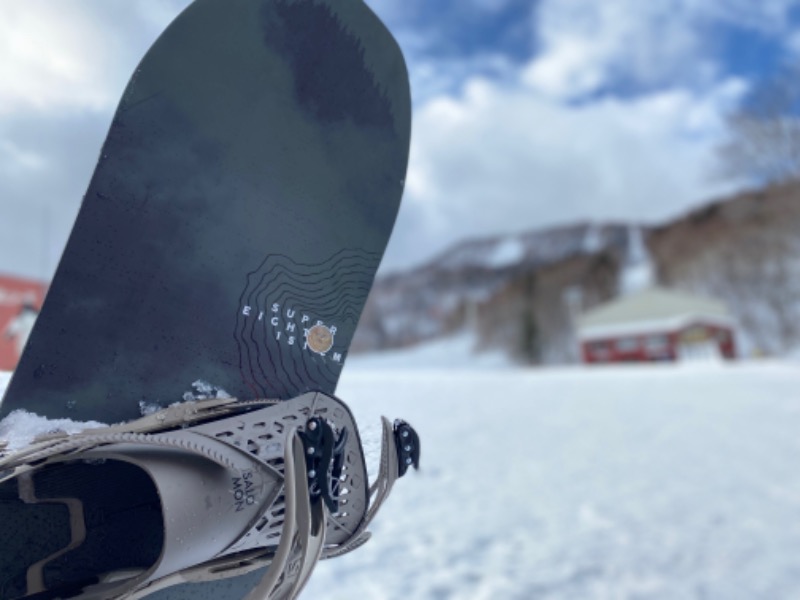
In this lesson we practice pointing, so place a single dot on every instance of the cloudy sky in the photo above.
(527, 113)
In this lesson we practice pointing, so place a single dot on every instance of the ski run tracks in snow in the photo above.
(612, 483)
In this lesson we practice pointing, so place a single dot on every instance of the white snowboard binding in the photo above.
(197, 492)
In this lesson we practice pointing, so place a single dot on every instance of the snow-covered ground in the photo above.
(610, 483)
(641, 482)
(454, 352)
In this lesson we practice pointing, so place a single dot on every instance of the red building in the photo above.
(20, 301)
(656, 325)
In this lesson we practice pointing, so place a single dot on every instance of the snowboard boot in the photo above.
(197, 492)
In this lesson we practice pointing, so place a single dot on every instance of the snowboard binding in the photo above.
(197, 492)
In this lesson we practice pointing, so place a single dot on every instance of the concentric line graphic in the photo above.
(294, 322)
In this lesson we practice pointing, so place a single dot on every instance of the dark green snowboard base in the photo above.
(232, 229)
(231, 232)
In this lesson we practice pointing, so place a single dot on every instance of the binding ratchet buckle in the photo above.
(407, 442)
(324, 452)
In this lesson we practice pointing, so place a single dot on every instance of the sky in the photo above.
(527, 113)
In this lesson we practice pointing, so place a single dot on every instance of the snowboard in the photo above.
(231, 232)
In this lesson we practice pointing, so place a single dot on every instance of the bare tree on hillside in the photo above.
(764, 132)
(530, 346)
(755, 274)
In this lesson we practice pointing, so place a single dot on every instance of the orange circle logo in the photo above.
(320, 339)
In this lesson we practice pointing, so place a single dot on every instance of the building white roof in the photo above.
(652, 310)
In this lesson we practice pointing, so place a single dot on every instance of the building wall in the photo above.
(15, 295)
(659, 346)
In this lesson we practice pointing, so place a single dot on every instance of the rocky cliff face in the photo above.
(522, 292)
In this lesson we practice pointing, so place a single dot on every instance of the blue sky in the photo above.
(526, 113)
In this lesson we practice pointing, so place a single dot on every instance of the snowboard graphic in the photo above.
(233, 226)
(231, 231)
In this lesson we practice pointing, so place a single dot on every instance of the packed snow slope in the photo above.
(667, 482)
(640, 482)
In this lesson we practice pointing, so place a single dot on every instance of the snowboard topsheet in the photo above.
(231, 231)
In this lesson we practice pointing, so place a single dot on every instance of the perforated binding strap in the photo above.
(309, 445)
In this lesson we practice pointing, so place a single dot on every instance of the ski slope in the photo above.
(666, 482)
(640, 482)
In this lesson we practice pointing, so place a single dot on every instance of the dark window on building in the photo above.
(656, 343)
(627, 344)
(600, 350)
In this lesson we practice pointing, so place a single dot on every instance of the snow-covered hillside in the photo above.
(657, 482)
(522, 292)
(475, 279)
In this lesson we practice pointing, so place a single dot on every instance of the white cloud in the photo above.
(793, 44)
(586, 44)
(13, 159)
(768, 16)
(571, 67)
(73, 54)
(49, 58)
(550, 144)
(489, 154)
(503, 158)
(63, 66)
(431, 79)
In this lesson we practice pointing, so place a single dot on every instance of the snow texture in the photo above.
(538, 247)
(200, 390)
(508, 252)
(638, 271)
(609, 483)
(20, 427)
(592, 240)
(203, 390)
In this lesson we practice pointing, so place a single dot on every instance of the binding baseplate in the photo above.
(290, 480)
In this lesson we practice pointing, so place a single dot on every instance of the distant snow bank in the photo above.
(454, 352)
(458, 351)
(507, 253)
